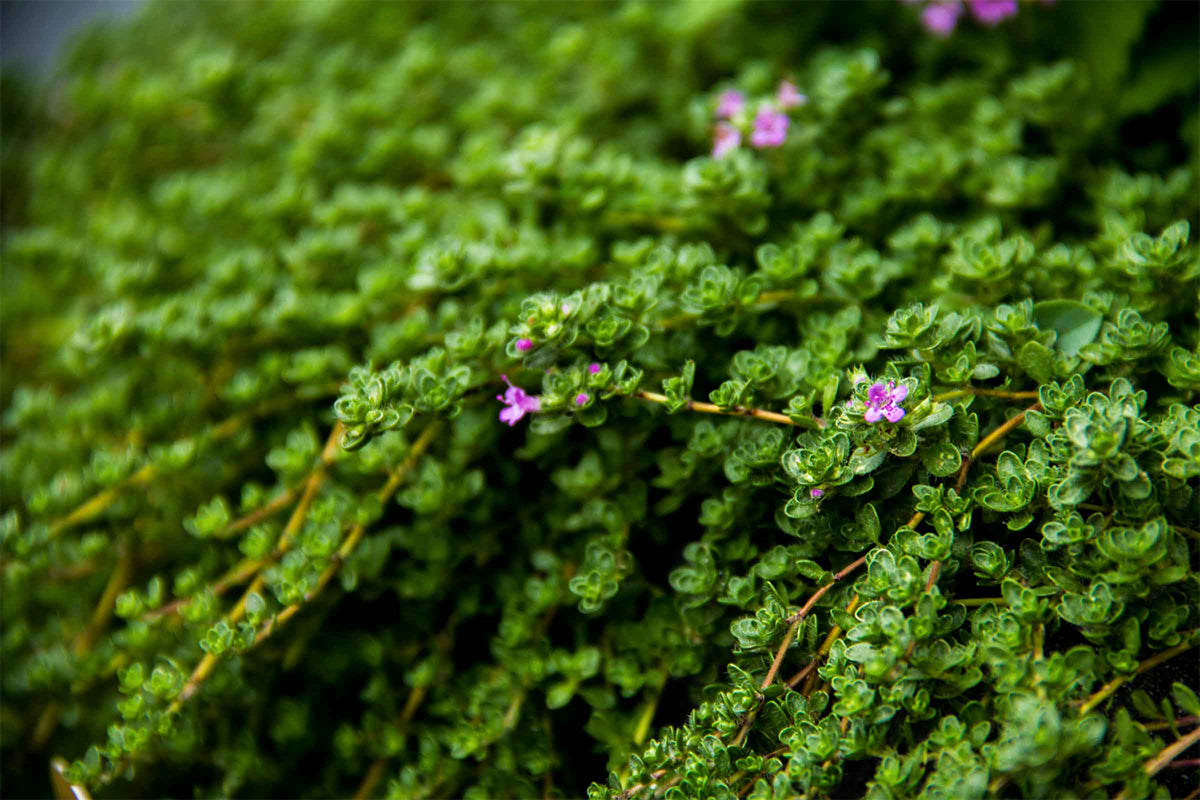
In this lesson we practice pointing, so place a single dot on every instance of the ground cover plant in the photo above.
(703, 400)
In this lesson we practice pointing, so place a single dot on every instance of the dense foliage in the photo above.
(851, 453)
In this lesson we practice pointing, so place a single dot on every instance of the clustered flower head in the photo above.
(940, 17)
(517, 403)
(883, 402)
(769, 127)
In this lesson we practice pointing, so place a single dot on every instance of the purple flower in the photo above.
(816, 494)
(516, 403)
(524, 344)
(992, 12)
(882, 402)
(726, 139)
(593, 368)
(789, 96)
(939, 18)
(770, 128)
(730, 103)
(581, 398)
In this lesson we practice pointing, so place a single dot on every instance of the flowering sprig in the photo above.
(517, 403)
(882, 399)
(730, 104)
(572, 389)
(769, 127)
(884, 402)
(940, 17)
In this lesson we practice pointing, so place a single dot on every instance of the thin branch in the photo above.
(803, 673)
(1165, 756)
(1178, 722)
(206, 665)
(1107, 689)
(92, 508)
(736, 411)
(1001, 432)
(794, 625)
(356, 533)
(812, 601)
(973, 390)
(85, 640)
(253, 518)
(375, 773)
(373, 776)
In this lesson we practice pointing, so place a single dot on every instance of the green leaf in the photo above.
(1077, 324)
(1185, 698)
(942, 459)
(1165, 71)
(1107, 33)
(1037, 360)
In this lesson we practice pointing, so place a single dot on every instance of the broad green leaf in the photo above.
(1075, 323)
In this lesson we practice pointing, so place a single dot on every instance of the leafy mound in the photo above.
(858, 458)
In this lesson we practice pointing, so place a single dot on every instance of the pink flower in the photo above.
(789, 96)
(730, 103)
(816, 494)
(882, 402)
(939, 18)
(516, 403)
(581, 398)
(524, 344)
(992, 12)
(593, 368)
(726, 139)
(770, 128)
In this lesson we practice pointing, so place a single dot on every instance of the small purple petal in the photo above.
(593, 368)
(524, 344)
(816, 494)
(581, 398)
(899, 393)
(893, 413)
(873, 414)
(789, 96)
(726, 139)
(730, 103)
(770, 128)
(517, 403)
(940, 18)
(877, 394)
(992, 12)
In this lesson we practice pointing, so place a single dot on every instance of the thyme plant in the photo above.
(692, 400)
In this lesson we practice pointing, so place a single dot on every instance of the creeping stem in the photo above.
(1165, 756)
(736, 411)
(315, 480)
(1107, 689)
(393, 483)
